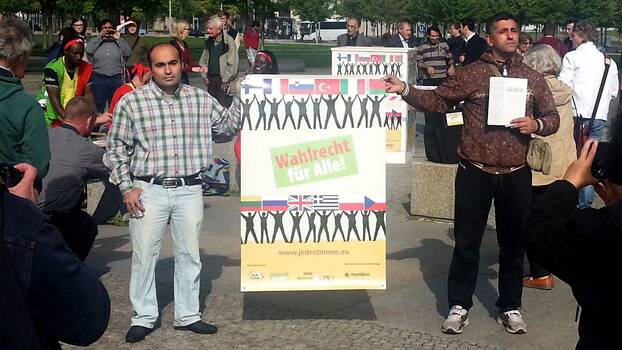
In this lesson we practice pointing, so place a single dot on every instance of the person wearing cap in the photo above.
(136, 43)
(64, 78)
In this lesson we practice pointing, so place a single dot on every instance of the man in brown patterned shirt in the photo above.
(492, 166)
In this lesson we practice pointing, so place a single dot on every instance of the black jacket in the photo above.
(396, 41)
(67, 302)
(582, 247)
(474, 48)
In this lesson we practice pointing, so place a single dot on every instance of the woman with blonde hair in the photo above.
(546, 61)
(181, 29)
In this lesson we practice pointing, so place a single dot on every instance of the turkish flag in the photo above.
(327, 86)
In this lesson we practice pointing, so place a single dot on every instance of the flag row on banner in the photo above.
(368, 58)
(309, 203)
(315, 86)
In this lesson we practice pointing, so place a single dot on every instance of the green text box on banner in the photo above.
(315, 161)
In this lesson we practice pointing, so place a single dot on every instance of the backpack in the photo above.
(216, 177)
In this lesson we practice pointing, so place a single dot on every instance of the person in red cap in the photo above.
(140, 76)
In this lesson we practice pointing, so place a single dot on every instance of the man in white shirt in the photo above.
(404, 38)
(582, 70)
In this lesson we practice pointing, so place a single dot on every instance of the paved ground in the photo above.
(407, 315)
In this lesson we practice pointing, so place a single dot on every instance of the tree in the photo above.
(315, 11)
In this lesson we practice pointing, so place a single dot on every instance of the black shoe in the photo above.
(137, 333)
(198, 327)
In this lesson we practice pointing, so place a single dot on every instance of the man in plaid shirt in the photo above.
(160, 140)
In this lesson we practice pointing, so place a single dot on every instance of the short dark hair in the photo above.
(102, 23)
(80, 107)
(223, 13)
(158, 45)
(549, 29)
(434, 28)
(68, 35)
(469, 23)
(501, 16)
(74, 20)
(67, 31)
(571, 20)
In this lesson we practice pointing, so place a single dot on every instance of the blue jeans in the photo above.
(103, 89)
(597, 132)
(184, 206)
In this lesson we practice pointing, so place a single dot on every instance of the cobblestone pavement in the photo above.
(249, 324)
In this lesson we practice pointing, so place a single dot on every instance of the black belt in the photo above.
(172, 182)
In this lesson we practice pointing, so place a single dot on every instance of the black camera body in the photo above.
(10, 176)
(601, 166)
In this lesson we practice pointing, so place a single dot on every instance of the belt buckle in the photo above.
(170, 182)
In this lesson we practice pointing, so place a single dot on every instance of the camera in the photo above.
(10, 176)
(601, 166)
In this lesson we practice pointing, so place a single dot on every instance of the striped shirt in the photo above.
(434, 55)
(159, 135)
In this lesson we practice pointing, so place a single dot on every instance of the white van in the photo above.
(329, 30)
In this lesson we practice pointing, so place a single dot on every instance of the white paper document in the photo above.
(507, 99)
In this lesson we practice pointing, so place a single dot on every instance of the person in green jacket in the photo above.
(23, 132)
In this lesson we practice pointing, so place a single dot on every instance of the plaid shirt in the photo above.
(159, 135)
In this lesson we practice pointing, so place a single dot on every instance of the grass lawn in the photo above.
(313, 55)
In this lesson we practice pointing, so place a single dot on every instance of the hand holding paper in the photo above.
(526, 125)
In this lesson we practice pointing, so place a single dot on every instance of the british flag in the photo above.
(300, 202)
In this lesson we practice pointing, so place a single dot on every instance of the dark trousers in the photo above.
(214, 88)
(110, 203)
(78, 230)
(475, 190)
(103, 88)
(535, 269)
(441, 142)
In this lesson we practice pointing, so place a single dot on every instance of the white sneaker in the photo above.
(512, 321)
(457, 319)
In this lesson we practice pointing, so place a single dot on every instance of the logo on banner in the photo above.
(314, 161)
(262, 87)
(331, 86)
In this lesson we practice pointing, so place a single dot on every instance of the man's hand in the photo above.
(430, 71)
(25, 188)
(579, 173)
(103, 118)
(132, 202)
(451, 70)
(526, 125)
(394, 84)
(200, 69)
(116, 35)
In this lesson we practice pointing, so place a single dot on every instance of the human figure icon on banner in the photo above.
(338, 215)
(364, 114)
(263, 217)
(317, 116)
(330, 104)
(274, 112)
(312, 227)
(385, 69)
(324, 215)
(246, 112)
(352, 224)
(278, 225)
(250, 226)
(398, 69)
(296, 216)
(364, 69)
(348, 114)
(365, 214)
(339, 66)
(379, 223)
(351, 65)
(288, 113)
(377, 67)
(302, 111)
(262, 114)
(375, 102)
(358, 69)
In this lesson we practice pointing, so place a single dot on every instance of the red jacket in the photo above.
(251, 37)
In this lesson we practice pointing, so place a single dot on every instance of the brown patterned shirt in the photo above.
(499, 149)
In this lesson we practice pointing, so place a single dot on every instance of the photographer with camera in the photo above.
(47, 294)
(581, 246)
(108, 54)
